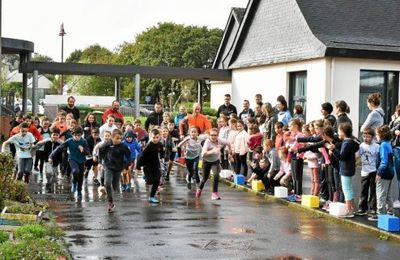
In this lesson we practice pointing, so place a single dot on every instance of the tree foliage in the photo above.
(166, 44)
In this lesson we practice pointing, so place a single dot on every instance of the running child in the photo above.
(93, 139)
(134, 149)
(114, 157)
(24, 143)
(78, 149)
(150, 161)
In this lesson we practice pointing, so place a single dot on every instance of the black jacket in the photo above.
(115, 157)
(153, 119)
(151, 156)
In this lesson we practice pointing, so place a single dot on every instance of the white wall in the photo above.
(273, 80)
(218, 90)
(346, 81)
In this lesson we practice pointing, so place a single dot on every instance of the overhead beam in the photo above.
(125, 71)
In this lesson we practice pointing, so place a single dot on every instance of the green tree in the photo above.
(92, 85)
(74, 57)
(173, 45)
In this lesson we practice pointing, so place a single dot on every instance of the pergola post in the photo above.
(137, 95)
(24, 59)
(34, 91)
(200, 89)
(117, 84)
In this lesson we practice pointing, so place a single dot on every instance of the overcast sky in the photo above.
(106, 22)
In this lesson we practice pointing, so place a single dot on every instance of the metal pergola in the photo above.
(118, 71)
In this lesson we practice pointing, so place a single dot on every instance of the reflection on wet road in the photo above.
(240, 226)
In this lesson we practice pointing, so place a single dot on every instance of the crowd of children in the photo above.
(267, 145)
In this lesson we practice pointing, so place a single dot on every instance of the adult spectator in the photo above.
(283, 115)
(70, 108)
(375, 117)
(246, 112)
(341, 111)
(195, 119)
(268, 127)
(113, 110)
(326, 111)
(89, 124)
(155, 118)
(227, 108)
(395, 129)
(258, 99)
(180, 116)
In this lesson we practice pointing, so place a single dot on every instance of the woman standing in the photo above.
(395, 130)
(375, 117)
(341, 111)
(89, 124)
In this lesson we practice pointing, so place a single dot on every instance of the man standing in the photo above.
(196, 119)
(227, 108)
(71, 108)
(247, 111)
(113, 110)
(155, 118)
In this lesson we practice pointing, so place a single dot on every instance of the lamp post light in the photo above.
(62, 33)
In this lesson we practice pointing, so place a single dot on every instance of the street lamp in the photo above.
(62, 33)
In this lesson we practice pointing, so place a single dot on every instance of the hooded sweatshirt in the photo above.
(385, 161)
(374, 119)
(347, 157)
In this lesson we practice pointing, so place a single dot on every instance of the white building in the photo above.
(312, 52)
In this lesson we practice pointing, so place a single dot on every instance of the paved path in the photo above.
(240, 226)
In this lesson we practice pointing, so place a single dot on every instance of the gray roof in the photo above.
(224, 52)
(277, 31)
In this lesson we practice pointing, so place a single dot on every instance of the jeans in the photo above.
(347, 185)
(216, 167)
(24, 168)
(77, 170)
(241, 163)
(192, 165)
(384, 200)
(396, 153)
(368, 187)
(111, 182)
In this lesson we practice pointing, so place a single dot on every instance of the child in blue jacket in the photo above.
(134, 147)
(385, 172)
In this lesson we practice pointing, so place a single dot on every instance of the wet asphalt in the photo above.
(239, 226)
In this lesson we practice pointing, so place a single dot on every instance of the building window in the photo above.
(385, 82)
(298, 90)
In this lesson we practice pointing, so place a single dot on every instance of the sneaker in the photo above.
(389, 212)
(348, 215)
(372, 213)
(96, 181)
(298, 198)
(74, 187)
(153, 200)
(198, 193)
(373, 218)
(291, 198)
(189, 186)
(215, 196)
(36, 169)
(326, 206)
(111, 207)
(361, 212)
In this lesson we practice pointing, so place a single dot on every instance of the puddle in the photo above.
(155, 227)
(286, 257)
(241, 230)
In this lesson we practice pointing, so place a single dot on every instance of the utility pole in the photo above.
(62, 33)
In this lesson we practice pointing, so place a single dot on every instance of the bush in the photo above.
(28, 232)
(6, 175)
(24, 208)
(31, 249)
(18, 191)
(3, 236)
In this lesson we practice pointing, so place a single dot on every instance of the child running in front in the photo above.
(78, 149)
(192, 154)
(385, 172)
(369, 152)
(24, 143)
(347, 163)
(211, 153)
(114, 157)
(150, 161)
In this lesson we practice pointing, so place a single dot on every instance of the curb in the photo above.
(381, 234)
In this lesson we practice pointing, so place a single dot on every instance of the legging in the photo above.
(192, 166)
(241, 163)
(297, 175)
(347, 185)
(39, 159)
(216, 167)
(338, 186)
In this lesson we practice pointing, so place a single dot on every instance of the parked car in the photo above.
(131, 103)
